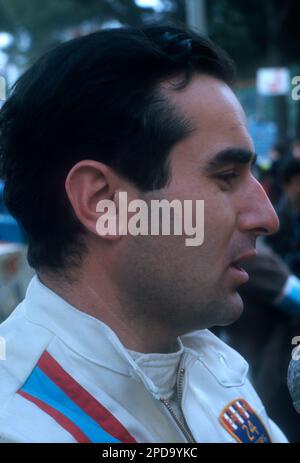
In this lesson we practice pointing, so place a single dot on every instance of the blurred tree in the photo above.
(256, 33)
(38, 26)
(259, 34)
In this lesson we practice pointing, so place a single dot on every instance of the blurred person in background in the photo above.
(271, 178)
(296, 148)
(286, 242)
(264, 332)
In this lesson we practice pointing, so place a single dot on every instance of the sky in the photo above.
(157, 5)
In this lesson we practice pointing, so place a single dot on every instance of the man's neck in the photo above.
(103, 303)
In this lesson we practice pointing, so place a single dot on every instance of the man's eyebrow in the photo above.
(231, 156)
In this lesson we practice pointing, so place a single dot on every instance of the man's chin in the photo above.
(235, 307)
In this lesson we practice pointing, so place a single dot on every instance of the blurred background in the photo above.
(263, 38)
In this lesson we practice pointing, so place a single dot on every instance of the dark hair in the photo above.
(289, 170)
(94, 97)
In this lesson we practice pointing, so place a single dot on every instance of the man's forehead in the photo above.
(216, 115)
(205, 99)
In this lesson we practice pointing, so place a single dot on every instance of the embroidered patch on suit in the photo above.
(241, 421)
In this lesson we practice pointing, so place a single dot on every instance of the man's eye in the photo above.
(227, 177)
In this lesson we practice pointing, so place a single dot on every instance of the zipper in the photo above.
(179, 384)
(183, 426)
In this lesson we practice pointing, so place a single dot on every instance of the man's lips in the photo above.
(236, 266)
(237, 263)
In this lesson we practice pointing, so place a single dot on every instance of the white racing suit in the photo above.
(66, 377)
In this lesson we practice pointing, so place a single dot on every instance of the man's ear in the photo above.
(92, 189)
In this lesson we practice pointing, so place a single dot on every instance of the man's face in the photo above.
(196, 287)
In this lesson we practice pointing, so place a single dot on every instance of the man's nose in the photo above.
(257, 213)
